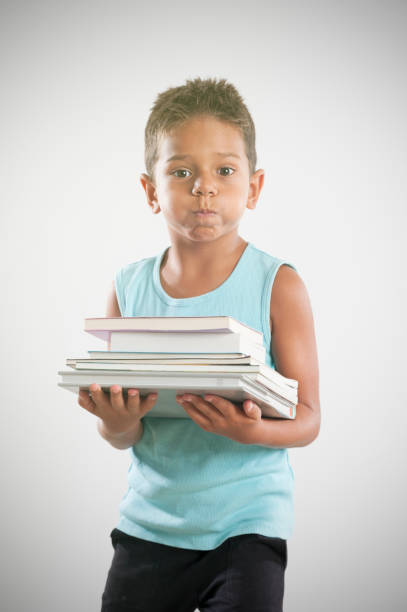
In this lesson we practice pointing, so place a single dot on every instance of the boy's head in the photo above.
(173, 107)
(200, 157)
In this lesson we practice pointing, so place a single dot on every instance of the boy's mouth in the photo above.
(205, 212)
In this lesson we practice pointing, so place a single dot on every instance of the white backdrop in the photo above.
(326, 85)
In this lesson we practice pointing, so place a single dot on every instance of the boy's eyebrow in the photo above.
(185, 156)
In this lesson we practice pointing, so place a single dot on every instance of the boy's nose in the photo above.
(204, 186)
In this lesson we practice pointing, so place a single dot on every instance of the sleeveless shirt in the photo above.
(187, 487)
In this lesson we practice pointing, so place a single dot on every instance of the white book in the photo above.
(103, 326)
(286, 387)
(236, 387)
(97, 355)
(185, 343)
(244, 359)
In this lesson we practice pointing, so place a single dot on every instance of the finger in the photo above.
(197, 402)
(99, 398)
(252, 410)
(116, 398)
(197, 408)
(147, 403)
(223, 406)
(86, 401)
(133, 402)
(199, 417)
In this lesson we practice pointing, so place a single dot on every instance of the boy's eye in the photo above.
(181, 173)
(227, 168)
(181, 170)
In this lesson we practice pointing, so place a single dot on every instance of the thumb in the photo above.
(252, 410)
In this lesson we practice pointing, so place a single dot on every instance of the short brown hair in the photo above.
(176, 105)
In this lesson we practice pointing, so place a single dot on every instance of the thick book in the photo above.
(102, 327)
(182, 342)
(236, 387)
(285, 387)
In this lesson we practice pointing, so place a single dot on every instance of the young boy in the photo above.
(209, 506)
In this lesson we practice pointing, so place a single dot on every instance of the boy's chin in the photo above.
(209, 237)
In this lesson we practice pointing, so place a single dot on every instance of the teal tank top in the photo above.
(187, 487)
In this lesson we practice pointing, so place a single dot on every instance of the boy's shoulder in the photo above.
(127, 271)
(288, 293)
(268, 259)
(284, 286)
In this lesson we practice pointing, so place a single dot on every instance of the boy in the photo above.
(208, 511)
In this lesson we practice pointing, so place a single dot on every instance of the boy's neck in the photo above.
(202, 255)
(188, 270)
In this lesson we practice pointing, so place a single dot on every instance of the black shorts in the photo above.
(244, 574)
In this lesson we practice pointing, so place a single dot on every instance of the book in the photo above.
(217, 355)
(185, 342)
(285, 387)
(102, 327)
(97, 355)
(185, 366)
(187, 358)
(236, 387)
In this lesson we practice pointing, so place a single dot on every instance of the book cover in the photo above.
(103, 326)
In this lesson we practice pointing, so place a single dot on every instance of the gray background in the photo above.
(326, 85)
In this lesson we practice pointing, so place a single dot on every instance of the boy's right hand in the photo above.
(118, 415)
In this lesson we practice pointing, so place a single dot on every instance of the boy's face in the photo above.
(213, 175)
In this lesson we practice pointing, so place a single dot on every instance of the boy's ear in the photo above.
(255, 186)
(151, 193)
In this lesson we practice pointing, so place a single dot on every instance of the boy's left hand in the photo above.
(220, 416)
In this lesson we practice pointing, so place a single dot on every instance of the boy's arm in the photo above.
(130, 438)
(119, 421)
(294, 351)
(295, 355)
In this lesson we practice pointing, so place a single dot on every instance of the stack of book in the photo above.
(174, 355)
